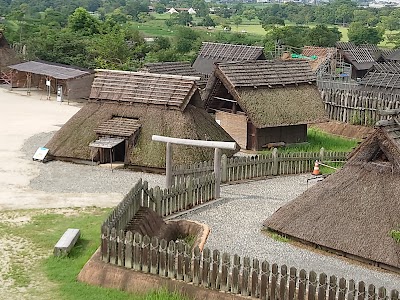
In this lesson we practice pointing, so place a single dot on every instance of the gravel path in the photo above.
(235, 221)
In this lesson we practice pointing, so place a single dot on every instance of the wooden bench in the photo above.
(66, 242)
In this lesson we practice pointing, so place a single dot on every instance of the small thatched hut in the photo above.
(211, 53)
(124, 111)
(353, 211)
(262, 102)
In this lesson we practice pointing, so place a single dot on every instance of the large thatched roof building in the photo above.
(261, 102)
(124, 111)
(211, 53)
(353, 211)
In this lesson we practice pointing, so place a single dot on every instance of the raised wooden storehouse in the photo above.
(125, 109)
(73, 82)
(353, 211)
(211, 53)
(182, 68)
(263, 102)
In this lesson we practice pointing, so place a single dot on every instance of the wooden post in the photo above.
(275, 161)
(168, 166)
(321, 154)
(224, 166)
(217, 172)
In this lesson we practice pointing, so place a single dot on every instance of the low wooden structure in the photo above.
(67, 241)
(384, 77)
(124, 111)
(211, 53)
(75, 82)
(359, 203)
(262, 102)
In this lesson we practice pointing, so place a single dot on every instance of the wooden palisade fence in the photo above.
(259, 166)
(233, 274)
(192, 192)
(359, 107)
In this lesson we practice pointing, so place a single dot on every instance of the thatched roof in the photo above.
(271, 93)
(110, 112)
(57, 71)
(182, 68)
(216, 52)
(353, 210)
(7, 54)
(141, 87)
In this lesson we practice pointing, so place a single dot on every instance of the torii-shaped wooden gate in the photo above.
(217, 145)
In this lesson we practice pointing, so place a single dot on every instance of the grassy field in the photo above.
(42, 232)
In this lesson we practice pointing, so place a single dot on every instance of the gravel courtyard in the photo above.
(235, 221)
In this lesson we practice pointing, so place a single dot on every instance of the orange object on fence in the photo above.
(316, 168)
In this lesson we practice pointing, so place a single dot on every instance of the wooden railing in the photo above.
(233, 274)
(182, 196)
(259, 166)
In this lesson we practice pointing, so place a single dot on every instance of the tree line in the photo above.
(104, 34)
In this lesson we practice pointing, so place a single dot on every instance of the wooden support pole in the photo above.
(217, 172)
(168, 165)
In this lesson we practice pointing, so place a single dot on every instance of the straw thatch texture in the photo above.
(7, 54)
(72, 140)
(140, 87)
(118, 126)
(354, 209)
(322, 54)
(216, 52)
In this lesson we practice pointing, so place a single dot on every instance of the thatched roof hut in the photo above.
(125, 109)
(353, 211)
(7, 56)
(211, 53)
(259, 102)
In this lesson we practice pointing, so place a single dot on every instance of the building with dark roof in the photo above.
(75, 82)
(125, 109)
(353, 211)
(215, 52)
(262, 102)
(383, 76)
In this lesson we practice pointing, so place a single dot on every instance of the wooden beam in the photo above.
(198, 143)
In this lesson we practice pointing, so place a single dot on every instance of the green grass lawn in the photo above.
(43, 231)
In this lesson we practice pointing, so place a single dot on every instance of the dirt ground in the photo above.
(23, 116)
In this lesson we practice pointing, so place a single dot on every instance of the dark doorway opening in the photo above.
(119, 152)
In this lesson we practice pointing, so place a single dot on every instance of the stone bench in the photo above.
(66, 242)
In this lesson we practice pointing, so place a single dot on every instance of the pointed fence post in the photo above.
(322, 154)
(168, 166)
(217, 172)
(224, 167)
(275, 161)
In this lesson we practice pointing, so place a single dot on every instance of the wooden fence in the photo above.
(259, 166)
(233, 274)
(358, 107)
(182, 196)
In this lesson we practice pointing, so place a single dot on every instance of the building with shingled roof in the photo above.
(262, 102)
(182, 68)
(383, 76)
(353, 211)
(216, 52)
(125, 109)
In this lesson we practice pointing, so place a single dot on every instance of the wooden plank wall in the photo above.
(230, 273)
(258, 166)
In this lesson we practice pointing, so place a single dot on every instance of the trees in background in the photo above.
(359, 33)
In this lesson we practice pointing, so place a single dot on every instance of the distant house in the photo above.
(191, 11)
(261, 102)
(125, 109)
(75, 82)
(172, 11)
(216, 52)
(353, 211)
(176, 68)
(383, 76)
